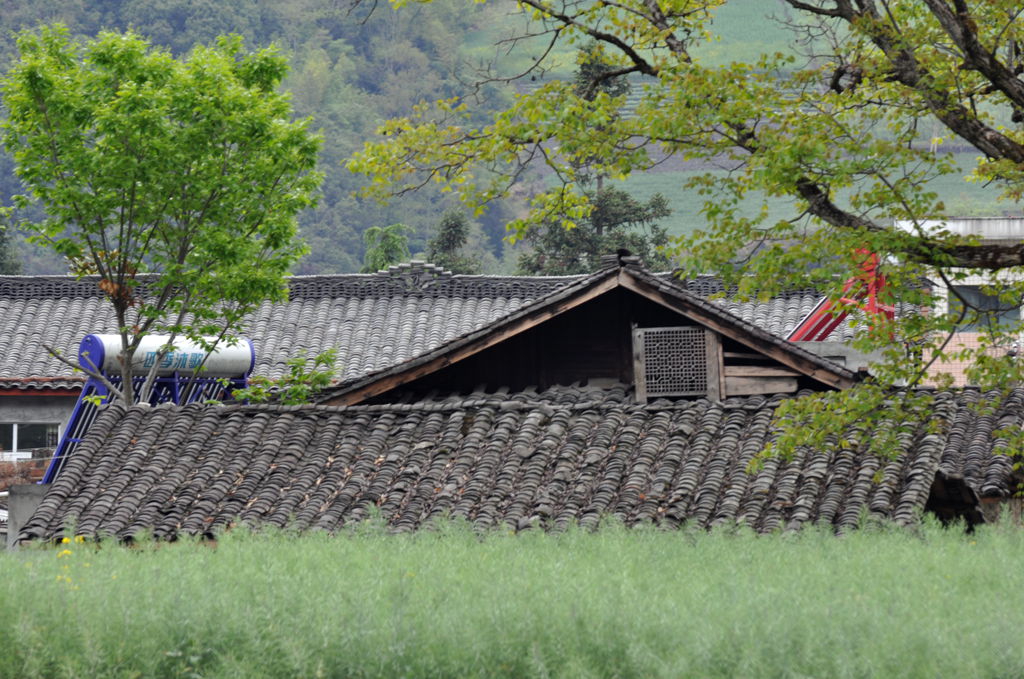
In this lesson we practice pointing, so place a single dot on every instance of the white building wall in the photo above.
(988, 230)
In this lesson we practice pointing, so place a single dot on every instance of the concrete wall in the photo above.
(21, 504)
(36, 409)
(1010, 229)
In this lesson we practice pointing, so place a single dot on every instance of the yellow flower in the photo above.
(65, 541)
(64, 552)
(79, 539)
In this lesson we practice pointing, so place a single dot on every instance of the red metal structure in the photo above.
(861, 291)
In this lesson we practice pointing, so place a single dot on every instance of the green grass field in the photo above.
(617, 603)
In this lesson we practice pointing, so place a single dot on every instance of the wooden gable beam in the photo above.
(770, 349)
(484, 339)
(474, 345)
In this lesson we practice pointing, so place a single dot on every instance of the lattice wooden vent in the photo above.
(680, 361)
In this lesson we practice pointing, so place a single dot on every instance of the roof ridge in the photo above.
(48, 286)
(416, 279)
(546, 401)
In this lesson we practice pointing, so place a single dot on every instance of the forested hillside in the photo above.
(354, 68)
(350, 71)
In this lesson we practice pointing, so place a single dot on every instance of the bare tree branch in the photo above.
(93, 372)
(964, 32)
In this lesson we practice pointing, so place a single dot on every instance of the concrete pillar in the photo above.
(21, 505)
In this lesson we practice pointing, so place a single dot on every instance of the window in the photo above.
(983, 308)
(18, 440)
(672, 361)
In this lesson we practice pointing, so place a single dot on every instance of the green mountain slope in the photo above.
(351, 70)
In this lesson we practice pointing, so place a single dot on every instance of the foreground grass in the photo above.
(617, 603)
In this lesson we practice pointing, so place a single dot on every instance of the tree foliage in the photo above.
(843, 130)
(9, 262)
(385, 246)
(349, 70)
(446, 248)
(617, 221)
(191, 169)
(306, 377)
(594, 74)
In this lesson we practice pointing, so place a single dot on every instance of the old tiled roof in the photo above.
(71, 382)
(517, 460)
(375, 320)
(778, 315)
(581, 286)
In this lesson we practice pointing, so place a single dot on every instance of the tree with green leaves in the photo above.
(445, 249)
(306, 377)
(348, 70)
(593, 75)
(10, 264)
(852, 130)
(618, 221)
(385, 246)
(189, 169)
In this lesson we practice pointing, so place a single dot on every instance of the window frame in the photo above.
(994, 311)
(16, 453)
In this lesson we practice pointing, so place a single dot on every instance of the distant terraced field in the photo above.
(746, 29)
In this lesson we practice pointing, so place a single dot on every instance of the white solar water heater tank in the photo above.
(233, 361)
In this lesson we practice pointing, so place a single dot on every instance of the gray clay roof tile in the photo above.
(517, 460)
(664, 284)
(375, 320)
